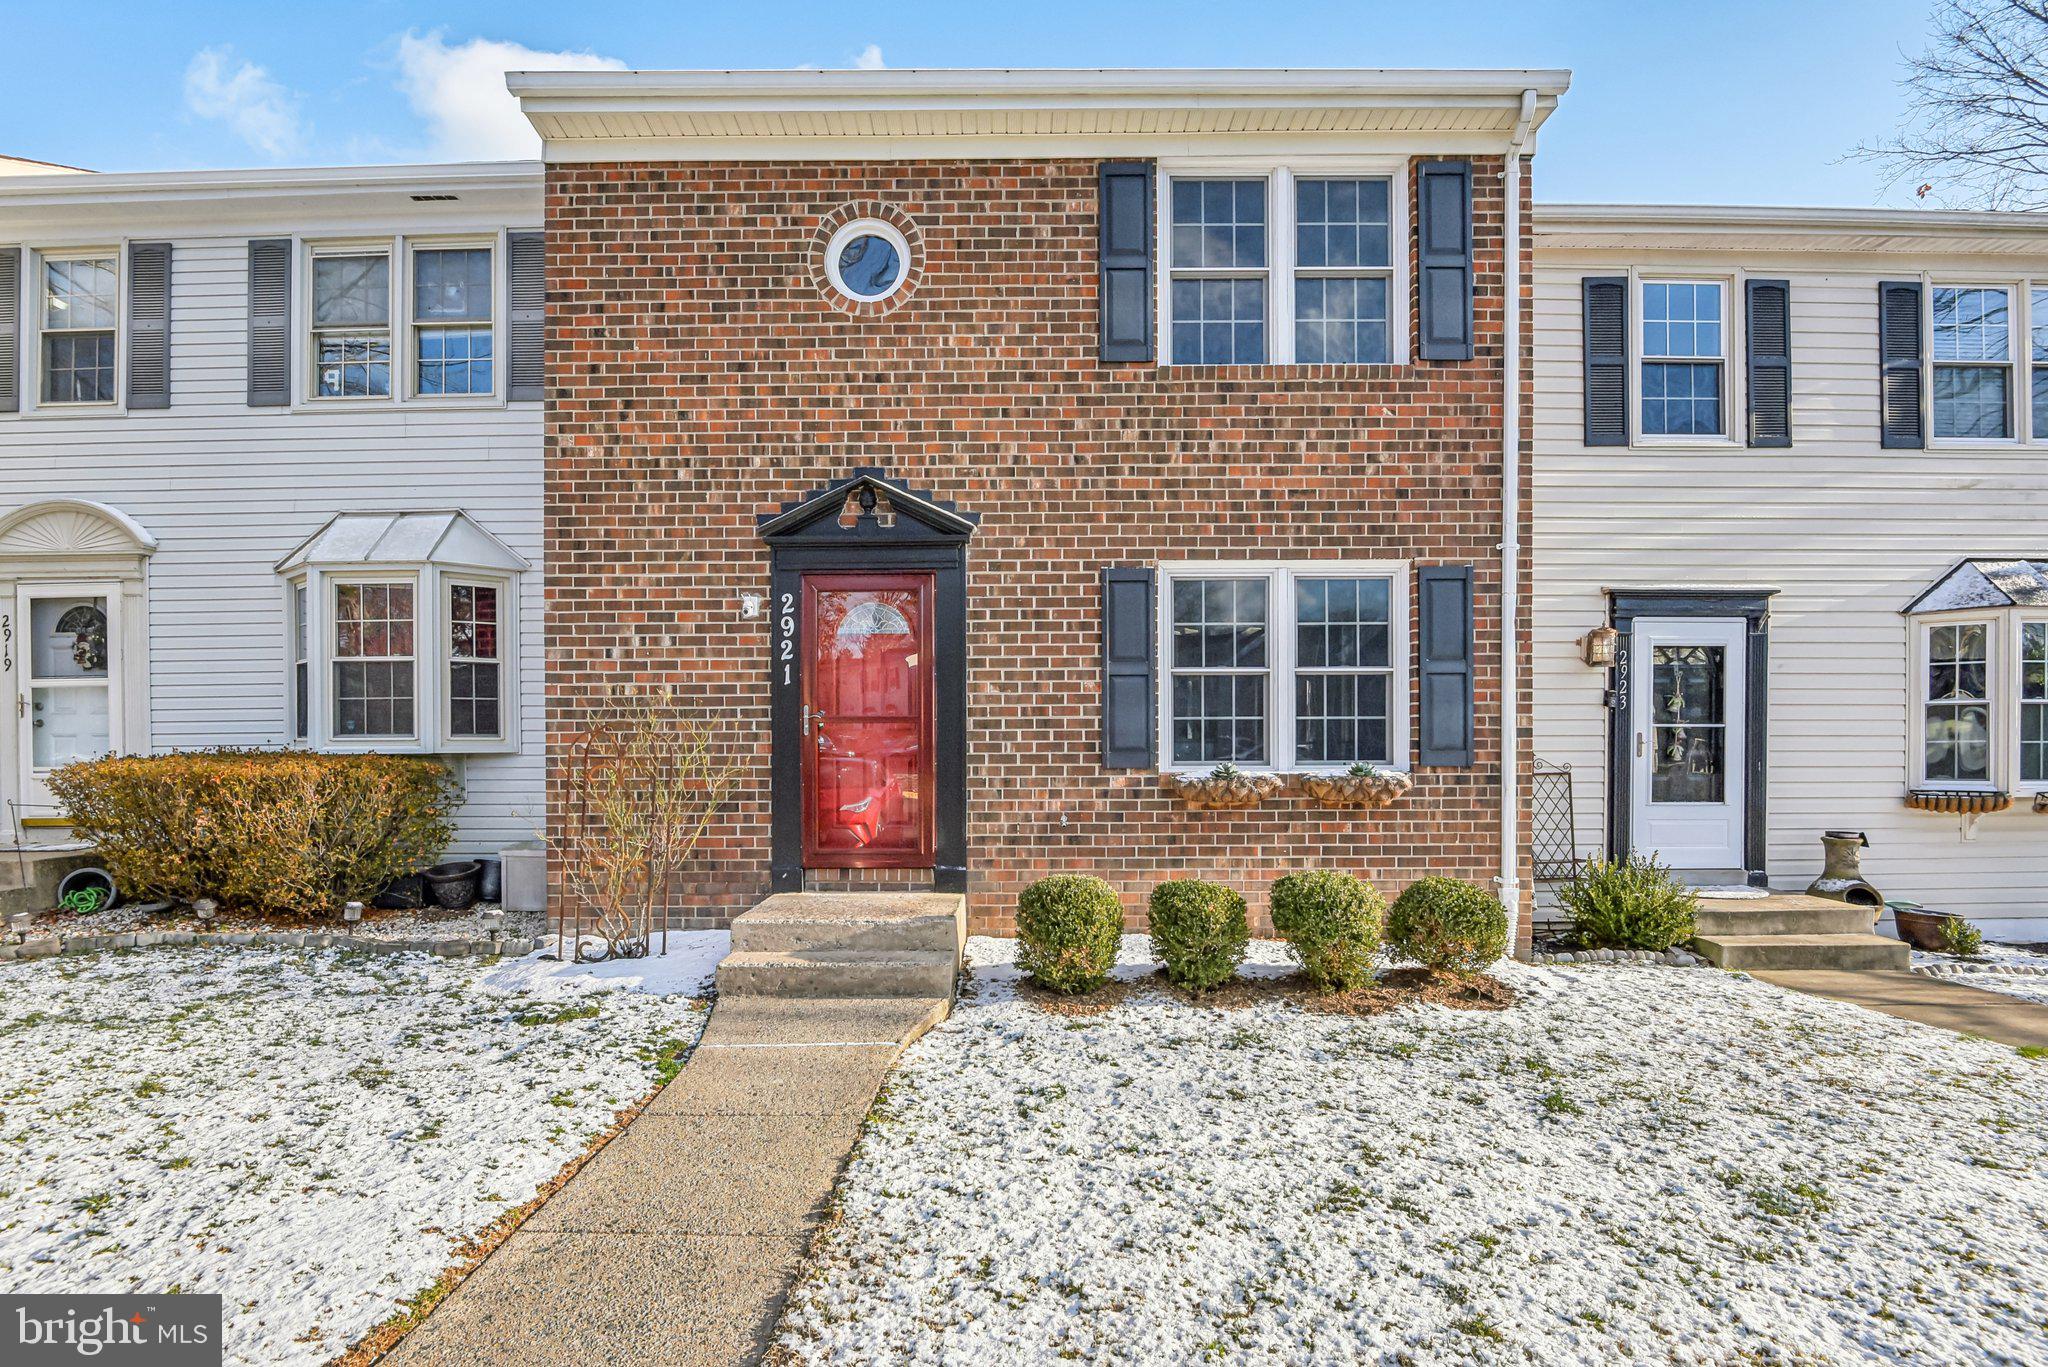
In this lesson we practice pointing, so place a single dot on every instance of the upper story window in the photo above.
(79, 316)
(1972, 354)
(1284, 666)
(2037, 354)
(1684, 358)
(451, 314)
(1291, 265)
(351, 342)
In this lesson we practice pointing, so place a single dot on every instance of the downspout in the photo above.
(1511, 528)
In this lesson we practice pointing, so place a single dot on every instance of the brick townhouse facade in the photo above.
(955, 438)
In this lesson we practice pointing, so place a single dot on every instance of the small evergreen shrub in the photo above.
(1960, 938)
(1448, 925)
(1069, 927)
(1332, 924)
(1631, 903)
(283, 832)
(1200, 931)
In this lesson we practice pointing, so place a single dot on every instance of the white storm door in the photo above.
(68, 696)
(1689, 749)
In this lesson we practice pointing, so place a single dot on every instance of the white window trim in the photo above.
(444, 686)
(29, 310)
(867, 227)
(1734, 378)
(1280, 269)
(2002, 699)
(367, 576)
(2019, 341)
(404, 327)
(1280, 654)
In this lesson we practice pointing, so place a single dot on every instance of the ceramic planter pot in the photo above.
(453, 885)
(1921, 929)
(1355, 790)
(1205, 792)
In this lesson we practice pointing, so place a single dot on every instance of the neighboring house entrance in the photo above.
(868, 683)
(1689, 730)
(69, 677)
(867, 724)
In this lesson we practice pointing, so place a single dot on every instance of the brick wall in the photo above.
(700, 373)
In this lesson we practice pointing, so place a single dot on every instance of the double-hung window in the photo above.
(1684, 358)
(1284, 666)
(78, 314)
(352, 325)
(1292, 265)
(2033, 680)
(1956, 722)
(475, 668)
(451, 319)
(373, 660)
(301, 663)
(1972, 355)
(2037, 356)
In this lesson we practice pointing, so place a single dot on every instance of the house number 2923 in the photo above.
(785, 635)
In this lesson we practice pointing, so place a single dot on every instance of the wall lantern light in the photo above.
(1597, 646)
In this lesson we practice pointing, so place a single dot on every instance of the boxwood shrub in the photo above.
(1332, 924)
(282, 832)
(1448, 925)
(1068, 928)
(1200, 931)
(1629, 903)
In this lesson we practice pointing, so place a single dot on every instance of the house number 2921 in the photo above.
(785, 635)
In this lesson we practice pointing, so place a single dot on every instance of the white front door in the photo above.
(68, 698)
(1689, 761)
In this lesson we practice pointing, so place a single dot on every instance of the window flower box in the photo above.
(1224, 791)
(1957, 803)
(1379, 788)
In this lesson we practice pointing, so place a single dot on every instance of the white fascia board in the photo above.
(1070, 86)
(1564, 227)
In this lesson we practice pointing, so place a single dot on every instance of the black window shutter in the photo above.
(10, 329)
(149, 325)
(1443, 236)
(1769, 331)
(526, 323)
(1126, 260)
(270, 325)
(1605, 299)
(1128, 693)
(1444, 632)
(1898, 342)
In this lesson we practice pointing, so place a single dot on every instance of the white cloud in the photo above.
(869, 58)
(460, 92)
(263, 113)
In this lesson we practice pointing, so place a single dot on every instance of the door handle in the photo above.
(1639, 745)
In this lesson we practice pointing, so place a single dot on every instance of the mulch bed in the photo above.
(1402, 987)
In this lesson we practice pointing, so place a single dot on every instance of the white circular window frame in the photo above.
(868, 227)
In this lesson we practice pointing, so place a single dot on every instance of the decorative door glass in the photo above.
(68, 655)
(1689, 724)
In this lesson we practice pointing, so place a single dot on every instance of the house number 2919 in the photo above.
(785, 635)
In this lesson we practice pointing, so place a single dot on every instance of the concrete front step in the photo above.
(29, 878)
(1762, 952)
(792, 922)
(838, 973)
(1782, 915)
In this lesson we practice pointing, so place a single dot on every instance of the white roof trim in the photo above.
(1986, 582)
(1717, 227)
(123, 187)
(438, 537)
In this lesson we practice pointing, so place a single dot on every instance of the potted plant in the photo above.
(1362, 785)
(1936, 932)
(1225, 788)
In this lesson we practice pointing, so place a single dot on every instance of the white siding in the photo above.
(228, 490)
(1848, 532)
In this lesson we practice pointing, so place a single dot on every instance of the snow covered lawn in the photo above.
(311, 1135)
(1633, 1163)
(2008, 969)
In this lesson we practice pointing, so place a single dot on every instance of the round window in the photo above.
(867, 260)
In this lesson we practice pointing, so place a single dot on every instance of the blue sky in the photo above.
(1745, 102)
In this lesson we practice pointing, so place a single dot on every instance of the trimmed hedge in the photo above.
(1200, 931)
(1448, 925)
(1068, 928)
(1630, 903)
(284, 832)
(1332, 924)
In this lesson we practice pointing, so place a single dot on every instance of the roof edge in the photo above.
(993, 83)
(1789, 218)
(117, 186)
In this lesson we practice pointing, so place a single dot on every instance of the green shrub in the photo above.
(1447, 925)
(1069, 927)
(1631, 903)
(1960, 938)
(274, 831)
(1199, 930)
(1332, 924)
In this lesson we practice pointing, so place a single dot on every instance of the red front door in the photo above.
(867, 733)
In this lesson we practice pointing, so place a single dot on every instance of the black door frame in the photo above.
(1754, 607)
(868, 522)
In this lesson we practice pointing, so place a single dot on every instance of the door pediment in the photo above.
(62, 528)
(868, 508)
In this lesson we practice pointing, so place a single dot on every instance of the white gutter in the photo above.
(1511, 533)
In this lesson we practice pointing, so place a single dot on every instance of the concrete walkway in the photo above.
(677, 1243)
(1932, 1001)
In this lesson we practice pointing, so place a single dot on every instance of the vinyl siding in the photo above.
(228, 490)
(1849, 533)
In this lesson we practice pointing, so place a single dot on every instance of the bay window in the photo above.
(1957, 719)
(373, 660)
(474, 667)
(1980, 686)
(1284, 666)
